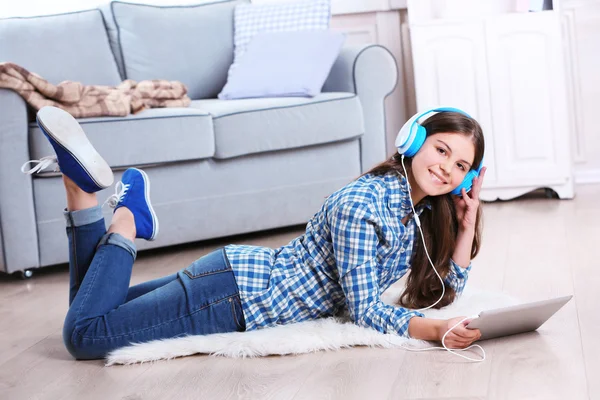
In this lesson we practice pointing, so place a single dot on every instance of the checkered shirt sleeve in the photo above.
(457, 277)
(354, 237)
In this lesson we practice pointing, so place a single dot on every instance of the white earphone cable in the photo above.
(453, 351)
(418, 221)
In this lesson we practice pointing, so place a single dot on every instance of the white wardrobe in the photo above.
(581, 23)
(509, 71)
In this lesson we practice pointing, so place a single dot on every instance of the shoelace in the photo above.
(120, 192)
(40, 165)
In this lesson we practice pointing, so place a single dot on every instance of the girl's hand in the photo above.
(460, 337)
(467, 205)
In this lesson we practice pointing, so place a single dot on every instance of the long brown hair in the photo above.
(440, 224)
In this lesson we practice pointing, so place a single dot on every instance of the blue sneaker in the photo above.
(75, 155)
(133, 192)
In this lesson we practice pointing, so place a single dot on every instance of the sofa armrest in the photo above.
(18, 231)
(370, 71)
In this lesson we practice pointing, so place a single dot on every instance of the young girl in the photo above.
(362, 240)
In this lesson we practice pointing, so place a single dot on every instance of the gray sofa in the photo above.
(217, 168)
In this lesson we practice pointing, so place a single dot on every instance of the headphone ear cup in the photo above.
(467, 183)
(420, 136)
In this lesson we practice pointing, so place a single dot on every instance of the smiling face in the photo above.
(441, 164)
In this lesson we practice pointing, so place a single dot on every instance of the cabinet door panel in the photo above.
(583, 36)
(450, 69)
(527, 84)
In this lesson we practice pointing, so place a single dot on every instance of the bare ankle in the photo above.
(123, 223)
(78, 199)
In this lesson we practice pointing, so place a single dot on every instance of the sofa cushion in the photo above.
(284, 64)
(113, 37)
(192, 44)
(157, 135)
(258, 125)
(283, 16)
(71, 46)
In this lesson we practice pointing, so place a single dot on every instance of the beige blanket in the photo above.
(83, 101)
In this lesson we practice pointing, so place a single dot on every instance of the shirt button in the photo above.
(401, 249)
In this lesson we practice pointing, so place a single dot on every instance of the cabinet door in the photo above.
(527, 83)
(583, 36)
(450, 70)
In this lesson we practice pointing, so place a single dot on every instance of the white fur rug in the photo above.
(303, 337)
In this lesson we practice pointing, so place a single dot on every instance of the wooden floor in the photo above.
(534, 248)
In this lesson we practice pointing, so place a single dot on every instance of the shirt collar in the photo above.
(399, 196)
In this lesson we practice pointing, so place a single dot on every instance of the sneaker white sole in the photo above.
(147, 196)
(65, 130)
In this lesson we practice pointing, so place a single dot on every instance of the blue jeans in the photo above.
(105, 313)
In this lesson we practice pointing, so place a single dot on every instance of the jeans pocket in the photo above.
(238, 313)
(212, 263)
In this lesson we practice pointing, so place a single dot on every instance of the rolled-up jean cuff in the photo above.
(118, 240)
(83, 217)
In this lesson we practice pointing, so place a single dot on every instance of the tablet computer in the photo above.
(516, 319)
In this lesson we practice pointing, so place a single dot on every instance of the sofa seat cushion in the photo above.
(153, 136)
(259, 125)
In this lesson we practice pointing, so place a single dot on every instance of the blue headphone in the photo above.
(412, 136)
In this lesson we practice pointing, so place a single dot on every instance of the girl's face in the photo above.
(442, 163)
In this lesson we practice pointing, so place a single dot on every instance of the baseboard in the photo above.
(587, 176)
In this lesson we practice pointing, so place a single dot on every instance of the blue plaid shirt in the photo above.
(353, 249)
